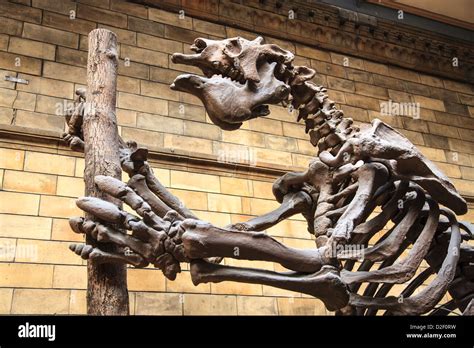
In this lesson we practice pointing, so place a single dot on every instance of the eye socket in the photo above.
(233, 46)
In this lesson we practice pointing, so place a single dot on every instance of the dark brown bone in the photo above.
(370, 176)
(293, 203)
(235, 57)
(425, 300)
(390, 245)
(403, 270)
(201, 239)
(324, 284)
(230, 103)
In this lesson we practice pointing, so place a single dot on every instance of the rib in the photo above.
(405, 269)
(370, 176)
(433, 292)
(391, 244)
(366, 230)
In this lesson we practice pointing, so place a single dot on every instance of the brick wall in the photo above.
(40, 177)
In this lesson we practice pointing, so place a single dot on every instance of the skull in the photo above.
(229, 103)
(242, 76)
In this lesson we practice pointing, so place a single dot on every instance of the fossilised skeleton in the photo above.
(355, 172)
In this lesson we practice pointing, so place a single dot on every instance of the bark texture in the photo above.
(107, 283)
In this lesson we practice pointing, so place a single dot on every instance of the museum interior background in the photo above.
(225, 177)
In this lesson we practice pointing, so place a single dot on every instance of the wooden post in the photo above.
(107, 292)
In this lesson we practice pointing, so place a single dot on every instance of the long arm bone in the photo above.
(201, 240)
(293, 203)
(324, 284)
(192, 239)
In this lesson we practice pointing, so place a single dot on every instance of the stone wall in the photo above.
(40, 178)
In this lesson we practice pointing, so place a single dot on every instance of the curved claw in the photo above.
(104, 210)
(106, 234)
(154, 240)
(75, 143)
(88, 252)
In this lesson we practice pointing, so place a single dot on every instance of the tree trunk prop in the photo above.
(107, 292)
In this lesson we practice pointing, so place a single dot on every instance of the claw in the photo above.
(88, 252)
(103, 210)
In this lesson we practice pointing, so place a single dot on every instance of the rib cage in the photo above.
(376, 286)
(383, 266)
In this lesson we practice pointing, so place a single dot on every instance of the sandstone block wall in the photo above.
(45, 43)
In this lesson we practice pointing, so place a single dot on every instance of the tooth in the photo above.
(234, 73)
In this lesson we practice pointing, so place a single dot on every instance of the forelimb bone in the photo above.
(324, 284)
(201, 240)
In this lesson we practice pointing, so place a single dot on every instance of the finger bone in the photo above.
(102, 209)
